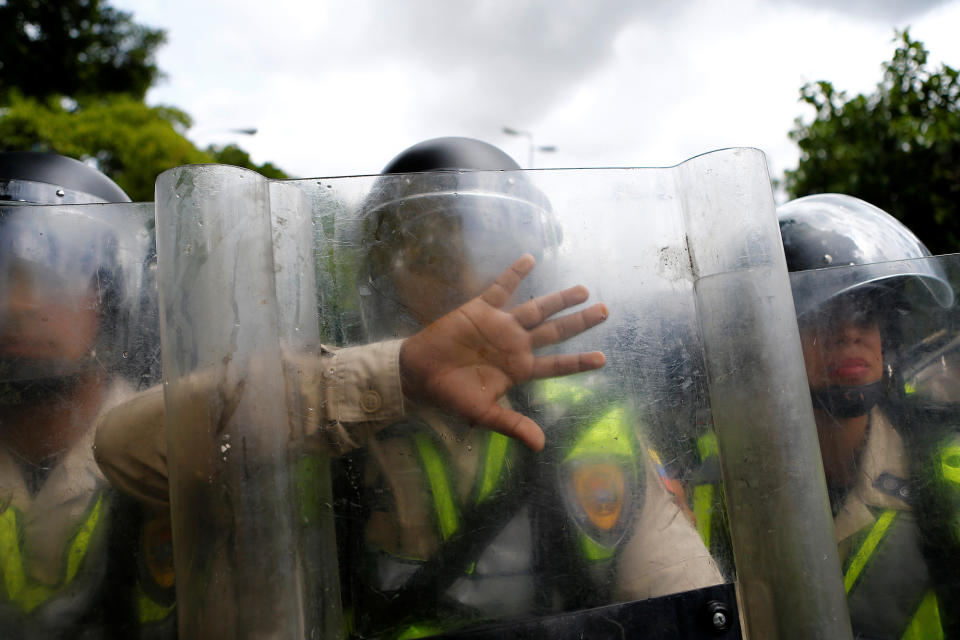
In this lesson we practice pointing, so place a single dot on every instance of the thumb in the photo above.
(514, 425)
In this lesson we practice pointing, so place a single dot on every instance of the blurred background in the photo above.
(856, 96)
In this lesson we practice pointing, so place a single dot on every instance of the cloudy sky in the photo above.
(338, 87)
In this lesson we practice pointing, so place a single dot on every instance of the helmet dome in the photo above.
(832, 230)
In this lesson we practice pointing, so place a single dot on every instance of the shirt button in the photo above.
(370, 401)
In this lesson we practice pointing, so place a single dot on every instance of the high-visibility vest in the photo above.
(391, 571)
(887, 582)
(436, 469)
(20, 589)
(598, 470)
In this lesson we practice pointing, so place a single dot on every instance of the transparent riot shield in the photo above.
(78, 336)
(880, 346)
(307, 501)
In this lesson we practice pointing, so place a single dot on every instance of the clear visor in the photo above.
(432, 252)
(30, 192)
(70, 284)
(919, 282)
(57, 252)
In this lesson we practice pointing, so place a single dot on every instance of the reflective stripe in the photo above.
(558, 390)
(703, 511)
(30, 596)
(443, 502)
(149, 610)
(422, 630)
(925, 624)
(494, 458)
(607, 435)
(707, 446)
(594, 551)
(81, 542)
(441, 486)
(859, 560)
(950, 463)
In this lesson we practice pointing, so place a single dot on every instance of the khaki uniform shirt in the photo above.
(884, 453)
(49, 520)
(665, 555)
(348, 395)
(51, 517)
(356, 393)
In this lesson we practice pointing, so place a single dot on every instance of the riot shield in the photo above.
(880, 346)
(78, 335)
(294, 517)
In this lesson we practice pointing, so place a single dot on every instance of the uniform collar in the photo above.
(52, 516)
(883, 454)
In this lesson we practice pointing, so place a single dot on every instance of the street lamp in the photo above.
(220, 132)
(547, 148)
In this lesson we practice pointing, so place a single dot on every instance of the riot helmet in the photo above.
(48, 178)
(439, 233)
(882, 272)
(67, 274)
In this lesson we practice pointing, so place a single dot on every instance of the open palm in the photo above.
(468, 359)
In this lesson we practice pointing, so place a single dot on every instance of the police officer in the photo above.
(68, 296)
(852, 322)
(462, 361)
(449, 529)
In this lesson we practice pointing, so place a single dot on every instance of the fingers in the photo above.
(500, 291)
(568, 326)
(531, 313)
(514, 425)
(566, 364)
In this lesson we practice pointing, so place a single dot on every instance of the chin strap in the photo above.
(847, 402)
(21, 392)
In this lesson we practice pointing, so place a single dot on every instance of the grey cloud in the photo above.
(503, 59)
(875, 10)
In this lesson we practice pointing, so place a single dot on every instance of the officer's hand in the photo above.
(469, 358)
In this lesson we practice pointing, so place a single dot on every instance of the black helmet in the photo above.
(468, 205)
(831, 229)
(451, 154)
(48, 178)
(887, 272)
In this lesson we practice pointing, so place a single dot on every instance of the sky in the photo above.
(340, 87)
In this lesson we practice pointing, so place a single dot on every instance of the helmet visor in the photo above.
(61, 286)
(30, 192)
(441, 249)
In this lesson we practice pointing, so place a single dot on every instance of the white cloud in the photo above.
(341, 87)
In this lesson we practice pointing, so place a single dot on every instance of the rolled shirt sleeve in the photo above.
(351, 393)
(362, 384)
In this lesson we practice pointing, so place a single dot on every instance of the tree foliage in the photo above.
(234, 155)
(73, 76)
(897, 148)
(129, 141)
(75, 48)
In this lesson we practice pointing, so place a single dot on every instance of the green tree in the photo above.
(897, 148)
(130, 142)
(73, 75)
(232, 154)
(74, 48)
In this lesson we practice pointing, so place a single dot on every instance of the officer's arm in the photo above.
(465, 361)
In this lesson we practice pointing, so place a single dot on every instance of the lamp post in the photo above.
(214, 133)
(548, 148)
